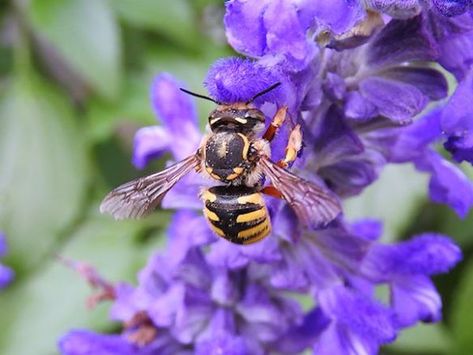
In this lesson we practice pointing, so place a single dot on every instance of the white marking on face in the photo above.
(241, 120)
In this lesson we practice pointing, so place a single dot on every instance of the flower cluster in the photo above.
(358, 76)
(6, 274)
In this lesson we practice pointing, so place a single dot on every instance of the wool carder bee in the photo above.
(235, 155)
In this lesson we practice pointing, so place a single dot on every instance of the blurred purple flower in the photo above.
(6, 273)
(361, 104)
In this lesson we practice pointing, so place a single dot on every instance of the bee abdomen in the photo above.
(237, 213)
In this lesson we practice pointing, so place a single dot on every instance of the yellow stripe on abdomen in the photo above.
(252, 216)
(262, 228)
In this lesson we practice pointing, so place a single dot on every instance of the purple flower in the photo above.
(179, 132)
(6, 273)
(457, 121)
(359, 85)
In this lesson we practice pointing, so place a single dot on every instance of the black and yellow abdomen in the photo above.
(237, 213)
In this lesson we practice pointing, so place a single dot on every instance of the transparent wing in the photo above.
(314, 206)
(139, 197)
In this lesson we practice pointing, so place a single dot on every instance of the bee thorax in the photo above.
(226, 156)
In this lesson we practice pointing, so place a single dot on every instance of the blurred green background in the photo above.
(74, 79)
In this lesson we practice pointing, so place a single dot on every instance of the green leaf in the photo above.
(43, 169)
(423, 339)
(462, 316)
(36, 313)
(393, 199)
(173, 18)
(87, 36)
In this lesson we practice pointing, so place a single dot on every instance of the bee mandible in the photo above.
(234, 154)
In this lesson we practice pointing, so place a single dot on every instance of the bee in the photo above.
(235, 155)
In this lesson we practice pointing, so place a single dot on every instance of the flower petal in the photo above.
(425, 254)
(244, 26)
(415, 299)
(286, 36)
(187, 230)
(358, 108)
(448, 184)
(149, 143)
(3, 245)
(451, 8)
(84, 342)
(234, 79)
(339, 16)
(6, 276)
(385, 93)
(178, 114)
(430, 82)
(304, 335)
(401, 41)
(397, 9)
(359, 326)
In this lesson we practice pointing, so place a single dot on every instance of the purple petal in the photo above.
(185, 194)
(457, 114)
(164, 308)
(415, 298)
(224, 290)
(234, 79)
(192, 316)
(342, 246)
(457, 121)
(369, 229)
(224, 254)
(430, 82)
(259, 310)
(304, 264)
(397, 9)
(149, 143)
(178, 114)
(187, 230)
(334, 86)
(334, 139)
(385, 94)
(360, 325)
(457, 54)
(338, 16)
(448, 184)
(401, 41)
(286, 36)
(425, 254)
(358, 108)
(351, 175)
(244, 26)
(461, 148)
(228, 255)
(223, 343)
(3, 245)
(304, 335)
(6, 276)
(452, 8)
(415, 138)
(124, 307)
(83, 342)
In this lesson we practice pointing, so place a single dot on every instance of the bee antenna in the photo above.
(272, 87)
(199, 96)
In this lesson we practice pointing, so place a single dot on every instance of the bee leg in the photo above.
(293, 147)
(277, 121)
(271, 191)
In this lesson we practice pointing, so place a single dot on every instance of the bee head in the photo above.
(240, 117)
(236, 117)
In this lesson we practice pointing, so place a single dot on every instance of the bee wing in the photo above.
(140, 197)
(314, 206)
